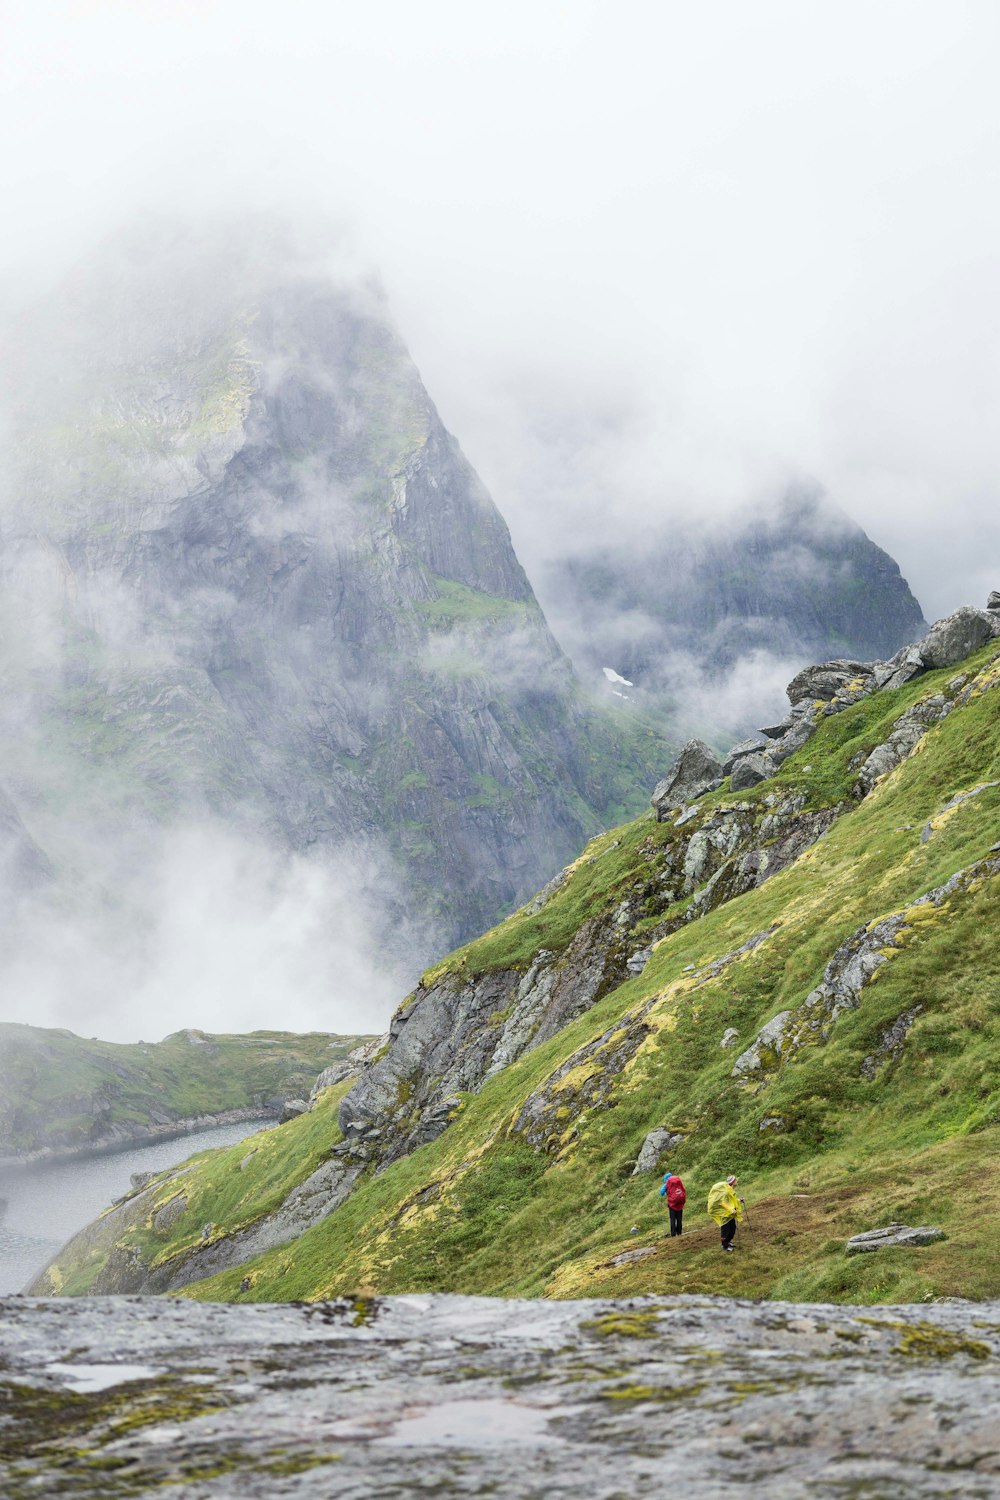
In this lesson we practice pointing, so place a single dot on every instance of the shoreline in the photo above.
(145, 1136)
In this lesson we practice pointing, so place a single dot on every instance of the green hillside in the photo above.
(863, 1106)
(62, 1092)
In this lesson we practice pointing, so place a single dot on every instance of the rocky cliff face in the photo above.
(248, 573)
(757, 592)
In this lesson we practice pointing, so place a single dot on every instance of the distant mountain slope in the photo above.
(798, 983)
(796, 583)
(247, 574)
(63, 1093)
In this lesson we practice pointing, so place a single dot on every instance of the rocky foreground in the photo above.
(468, 1396)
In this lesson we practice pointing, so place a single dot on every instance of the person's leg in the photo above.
(675, 1223)
(728, 1232)
(680, 1220)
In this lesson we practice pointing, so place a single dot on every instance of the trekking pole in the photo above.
(746, 1215)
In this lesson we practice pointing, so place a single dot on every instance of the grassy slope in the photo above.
(230, 1188)
(50, 1079)
(478, 1210)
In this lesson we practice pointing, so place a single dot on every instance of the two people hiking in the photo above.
(726, 1209)
(673, 1191)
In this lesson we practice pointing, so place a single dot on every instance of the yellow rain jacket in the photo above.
(723, 1204)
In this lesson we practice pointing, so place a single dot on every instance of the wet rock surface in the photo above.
(429, 1395)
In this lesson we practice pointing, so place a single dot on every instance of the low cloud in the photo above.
(217, 930)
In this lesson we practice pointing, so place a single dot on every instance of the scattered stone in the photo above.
(634, 1230)
(206, 1232)
(993, 602)
(248, 1159)
(764, 1053)
(775, 1124)
(292, 1109)
(892, 1237)
(656, 1145)
(687, 814)
(140, 1179)
(638, 961)
(752, 769)
(696, 770)
(627, 1256)
(729, 1037)
(245, 1284)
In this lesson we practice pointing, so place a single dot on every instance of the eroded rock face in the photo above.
(589, 1079)
(464, 1396)
(454, 1034)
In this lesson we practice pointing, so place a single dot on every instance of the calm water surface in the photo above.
(47, 1204)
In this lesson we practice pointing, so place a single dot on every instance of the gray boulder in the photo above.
(821, 683)
(954, 638)
(751, 746)
(729, 1037)
(657, 1143)
(638, 961)
(993, 602)
(892, 1237)
(750, 770)
(628, 1256)
(292, 1109)
(695, 771)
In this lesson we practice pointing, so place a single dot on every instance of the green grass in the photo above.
(458, 604)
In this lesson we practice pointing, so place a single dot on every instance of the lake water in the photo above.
(48, 1203)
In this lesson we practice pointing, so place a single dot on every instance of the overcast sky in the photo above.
(649, 256)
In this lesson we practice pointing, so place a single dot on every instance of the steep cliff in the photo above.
(248, 574)
(795, 981)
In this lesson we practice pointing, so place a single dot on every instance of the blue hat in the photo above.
(666, 1175)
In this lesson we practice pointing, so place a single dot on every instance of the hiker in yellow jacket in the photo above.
(726, 1209)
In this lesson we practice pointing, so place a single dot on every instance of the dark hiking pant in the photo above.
(676, 1215)
(728, 1233)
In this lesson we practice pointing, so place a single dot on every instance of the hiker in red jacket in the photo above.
(673, 1191)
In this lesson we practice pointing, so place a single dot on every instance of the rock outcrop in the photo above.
(697, 770)
(819, 691)
(845, 978)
